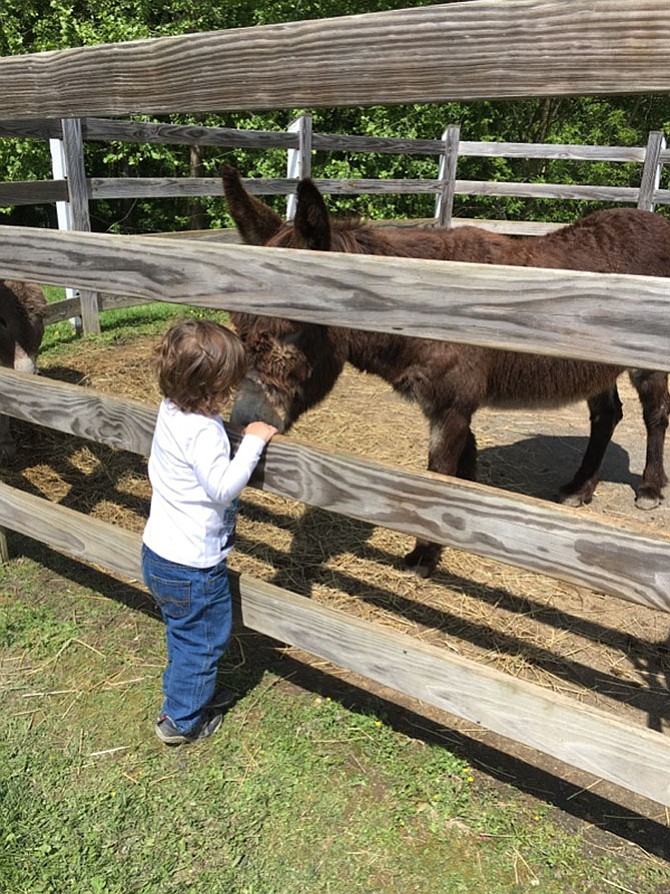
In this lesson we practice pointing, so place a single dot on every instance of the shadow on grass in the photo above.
(628, 817)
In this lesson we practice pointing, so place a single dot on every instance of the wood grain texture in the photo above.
(78, 200)
(33, 192)
(574, 152)
(517, 530)
(456, 51)
(632, 757)
(106, 129)
(122, 424)
(182, 187)
(651, 172)
(36, 128)
(610, 317)
(563, 191)
(84, 538)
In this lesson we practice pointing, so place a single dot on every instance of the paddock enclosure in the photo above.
(460, 51)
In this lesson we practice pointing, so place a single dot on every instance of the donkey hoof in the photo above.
(646, 501)
(421, 562)
(574, 500)
(576, 495)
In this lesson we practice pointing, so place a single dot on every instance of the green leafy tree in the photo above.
(56, 24)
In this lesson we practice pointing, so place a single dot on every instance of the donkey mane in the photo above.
(352, 235)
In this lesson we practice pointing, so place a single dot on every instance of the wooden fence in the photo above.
(72, 190)
(439, 52)
(299, 142)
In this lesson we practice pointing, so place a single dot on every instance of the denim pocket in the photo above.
(173, 596)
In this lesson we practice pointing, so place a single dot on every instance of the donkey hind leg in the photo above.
(606, 413)
(453, 450)
(652, 389)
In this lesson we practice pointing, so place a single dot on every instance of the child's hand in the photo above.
(261, 430)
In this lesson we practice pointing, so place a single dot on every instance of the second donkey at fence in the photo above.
(22, 311)
(294, 365)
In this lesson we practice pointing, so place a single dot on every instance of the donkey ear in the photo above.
(312, 220)
(255, 221)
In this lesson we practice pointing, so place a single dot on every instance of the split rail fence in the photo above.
(436, 53)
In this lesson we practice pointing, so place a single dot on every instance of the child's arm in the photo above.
(224, 478)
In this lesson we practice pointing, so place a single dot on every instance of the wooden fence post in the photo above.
(299, 161)
(444, 204)
(77, 217)
(651, 172)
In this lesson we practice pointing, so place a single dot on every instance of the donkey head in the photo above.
(22, 311)
(292, 365)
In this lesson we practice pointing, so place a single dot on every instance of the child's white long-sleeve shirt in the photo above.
(194, 482)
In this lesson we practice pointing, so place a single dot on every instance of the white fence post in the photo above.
(444, 204)
(67, 159)
(299, 161)
(651, 172)
(63, 210)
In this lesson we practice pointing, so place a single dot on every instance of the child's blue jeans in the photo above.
(197, 609)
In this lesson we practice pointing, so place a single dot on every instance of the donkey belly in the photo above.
(517, 381)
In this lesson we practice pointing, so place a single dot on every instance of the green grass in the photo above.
(120, 325)
(296, 793)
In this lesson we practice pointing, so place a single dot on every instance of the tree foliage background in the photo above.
(38, 25)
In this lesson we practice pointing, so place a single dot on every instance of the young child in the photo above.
(191, 526)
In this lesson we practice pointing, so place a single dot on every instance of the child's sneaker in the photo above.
(168, 733)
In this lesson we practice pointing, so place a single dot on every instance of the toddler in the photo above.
(191, 527)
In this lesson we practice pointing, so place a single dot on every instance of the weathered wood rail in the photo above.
(516, 47)
(462, 51)
(651, 158)
(617, 319)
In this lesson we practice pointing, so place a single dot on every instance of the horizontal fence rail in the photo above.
(616, 319)
(28, 193)
(106, 129)
(455, 51)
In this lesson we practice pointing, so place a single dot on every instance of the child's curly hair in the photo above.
(199, 363)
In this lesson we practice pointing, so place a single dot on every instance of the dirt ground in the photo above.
(598, 650)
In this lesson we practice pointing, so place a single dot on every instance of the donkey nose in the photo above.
(24, 362)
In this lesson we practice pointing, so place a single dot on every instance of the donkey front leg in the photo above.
(652, 389)
(606, 413)
(453, 451)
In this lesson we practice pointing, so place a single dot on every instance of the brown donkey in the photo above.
(294, 365)
(22, 310)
